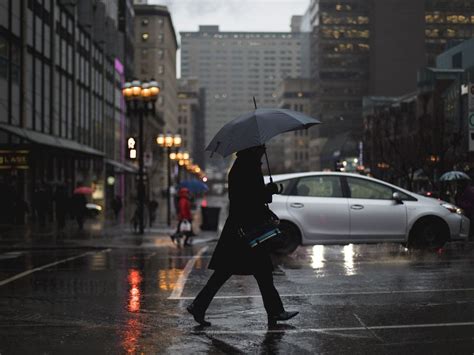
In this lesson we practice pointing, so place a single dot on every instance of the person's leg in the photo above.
(271, 299)
(202, 301)
(215, 282)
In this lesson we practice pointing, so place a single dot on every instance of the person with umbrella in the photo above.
(232, 256)
(79, 202)
(248, 196)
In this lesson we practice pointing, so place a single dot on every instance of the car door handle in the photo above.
(296, 205)
(357, 207)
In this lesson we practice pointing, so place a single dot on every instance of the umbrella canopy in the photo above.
(83, 190)
(454, 176)
(195, 186)
(256, 128)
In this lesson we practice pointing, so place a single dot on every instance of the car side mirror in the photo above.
(397, 197)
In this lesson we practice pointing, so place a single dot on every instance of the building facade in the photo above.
(155, 58)
(293, 151)
(234, 67)
(367, 47)
(191, 118)
(60, 98)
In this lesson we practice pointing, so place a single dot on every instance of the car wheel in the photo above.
(428, 234)
(289, 239)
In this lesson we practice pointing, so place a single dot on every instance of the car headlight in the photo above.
(452, 208)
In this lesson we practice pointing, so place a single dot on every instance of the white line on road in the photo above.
(28, 272)
(393, 292)
(178, 289)
(343, 329)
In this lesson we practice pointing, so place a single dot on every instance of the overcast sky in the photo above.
(233, 15)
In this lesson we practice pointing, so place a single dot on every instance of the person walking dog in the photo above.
(248, 196)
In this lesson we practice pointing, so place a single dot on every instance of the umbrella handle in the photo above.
(268, 165)
(254, 102)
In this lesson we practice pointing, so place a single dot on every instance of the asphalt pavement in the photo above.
(121, 296)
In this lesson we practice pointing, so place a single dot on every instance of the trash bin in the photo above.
(210, 218)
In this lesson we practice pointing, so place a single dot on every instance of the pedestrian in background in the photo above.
(78, 204)
(248, 197)
(184, 214)
(152, 210)
(61, 207)
(117, 206)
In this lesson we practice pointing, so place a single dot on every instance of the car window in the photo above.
(286, 184)
(360, 188)
(318, 186)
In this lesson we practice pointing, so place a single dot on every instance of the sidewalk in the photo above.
(96, 235)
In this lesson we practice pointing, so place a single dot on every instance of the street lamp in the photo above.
(169, 141)
(138, 96)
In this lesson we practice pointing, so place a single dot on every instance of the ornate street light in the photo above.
(169, 141)
(138, 96)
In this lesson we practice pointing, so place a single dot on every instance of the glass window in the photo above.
(4, 13)
(319, 186)
(360, 188)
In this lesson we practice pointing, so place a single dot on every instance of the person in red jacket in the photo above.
(184, 213)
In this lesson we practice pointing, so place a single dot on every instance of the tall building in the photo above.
(234, 67)
(155, 58)
(292, 151)
(447, 23)
(362, 47)
(191, 118)
(339, 62)
(59, 97)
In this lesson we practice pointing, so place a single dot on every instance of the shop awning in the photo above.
(121, 167)
(49, 140)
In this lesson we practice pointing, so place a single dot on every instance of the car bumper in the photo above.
(459, 227)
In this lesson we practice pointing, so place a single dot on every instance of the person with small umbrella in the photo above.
(79, 202)
(248, 196)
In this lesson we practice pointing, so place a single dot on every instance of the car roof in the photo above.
(280, 177)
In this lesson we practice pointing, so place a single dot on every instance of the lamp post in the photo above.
(169, 141)
(139, 95)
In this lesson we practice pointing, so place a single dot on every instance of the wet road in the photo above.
(353, 299)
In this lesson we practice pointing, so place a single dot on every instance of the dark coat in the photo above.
(248, 196)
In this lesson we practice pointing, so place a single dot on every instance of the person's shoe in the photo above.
(198, 316)
(272, 319)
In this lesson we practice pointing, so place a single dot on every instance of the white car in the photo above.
(339, 208)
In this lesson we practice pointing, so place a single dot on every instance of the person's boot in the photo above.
(272, 319)
(198, 315)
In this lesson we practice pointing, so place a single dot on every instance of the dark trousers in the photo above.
(271, 298)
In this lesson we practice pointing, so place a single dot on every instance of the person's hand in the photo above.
(274, 188)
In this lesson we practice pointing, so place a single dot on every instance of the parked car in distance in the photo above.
(341, 208)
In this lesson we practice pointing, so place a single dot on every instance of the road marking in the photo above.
(369, 330)
(344, 293)
(179, 287)
(28, 272)
(342, 329)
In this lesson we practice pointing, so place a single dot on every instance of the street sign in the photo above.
(470, 120)
(471, 140)
(148, 159)
(132, 149)
(471, 97)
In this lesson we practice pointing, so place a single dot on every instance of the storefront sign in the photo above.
(14, 159)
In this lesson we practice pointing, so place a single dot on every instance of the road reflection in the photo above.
(167, 279)
(348, 251)
(133, 328)
(317, 258)
(134, 280)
